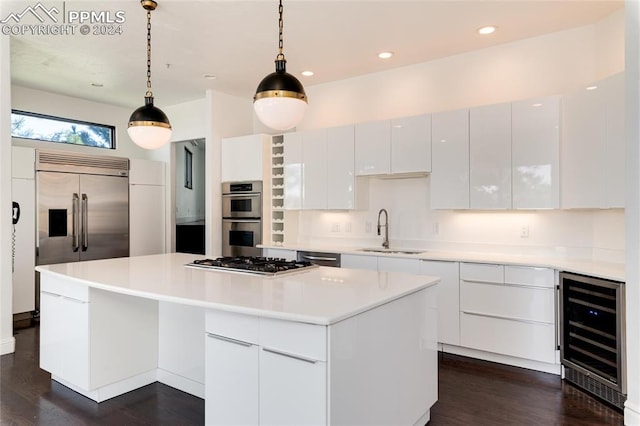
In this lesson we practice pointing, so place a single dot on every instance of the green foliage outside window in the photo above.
(41, 127)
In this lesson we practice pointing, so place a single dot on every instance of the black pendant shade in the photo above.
(282, 82)
(149, 114)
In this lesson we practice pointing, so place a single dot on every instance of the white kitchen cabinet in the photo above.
(359, 261)
(23, 192)
(243, 158)
(77, 331)
(615, 149)
(411, 144)
(344, 190)
(509, 310)
(535, 150)
(314, 166)
(449, 180)
(232, 374)
(593, 146)
(398, 264)
(293, 389)
(373, 148)
(293, 171)
(448, 298)
(280, 253)
(490, 157)
(264, 371)
(147, 207)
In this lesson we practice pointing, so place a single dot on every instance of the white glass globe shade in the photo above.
(280, 113)
(149, 137)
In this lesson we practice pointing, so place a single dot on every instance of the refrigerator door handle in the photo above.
(75, 222)
(85, 222)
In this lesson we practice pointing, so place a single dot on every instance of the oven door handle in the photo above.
(242, 220)
(245, 195)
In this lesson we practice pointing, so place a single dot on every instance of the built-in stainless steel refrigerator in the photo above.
(83, 207)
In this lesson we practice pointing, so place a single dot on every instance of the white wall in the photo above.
(190, 202)
(32, 100)
(632, 406)
(550, 64)
(7, 342)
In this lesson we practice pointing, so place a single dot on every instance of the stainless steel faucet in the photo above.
(385, 243)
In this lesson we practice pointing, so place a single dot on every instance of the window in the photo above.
(188, 169)
(29, 125)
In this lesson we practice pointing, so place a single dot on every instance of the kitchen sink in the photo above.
(391, 250)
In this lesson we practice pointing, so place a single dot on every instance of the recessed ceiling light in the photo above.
(209, 76)
(385, 55)
(592, 87)
(536, 105)
(97, 84)
(489, 29)
(307, 73)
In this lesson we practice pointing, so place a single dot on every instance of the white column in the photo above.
(7, 342)
(212, 198)
(632, 212)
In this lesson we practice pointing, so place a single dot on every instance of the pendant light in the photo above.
(280, 101)
(149, 127)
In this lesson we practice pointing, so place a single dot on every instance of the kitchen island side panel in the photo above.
(383, 366)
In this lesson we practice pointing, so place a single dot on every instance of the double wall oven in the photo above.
(241, 218)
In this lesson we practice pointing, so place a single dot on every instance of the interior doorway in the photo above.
(190, 196)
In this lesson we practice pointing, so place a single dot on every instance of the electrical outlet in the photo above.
(524, 231)
(335, 227)
(436, 228)
(367, 227)
(347, 227)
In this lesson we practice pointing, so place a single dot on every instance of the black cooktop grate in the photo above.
(253, 265)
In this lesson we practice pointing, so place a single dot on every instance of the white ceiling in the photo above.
(237, 41)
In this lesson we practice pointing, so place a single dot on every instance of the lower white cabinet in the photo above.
(77, 331)
(508, 310)
(280, 253)
(398, 264)
(448, 298)
(359, 261)
(232, 377)
(293, 389)
(263, 371)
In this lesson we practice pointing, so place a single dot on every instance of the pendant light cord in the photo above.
(280, 44)
(149, 94)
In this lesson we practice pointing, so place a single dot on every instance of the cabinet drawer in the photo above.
(54, 285)
(526, 340)
(525, 275)
(233, 325)
(503, 300)
(482, 272)
(294, 338)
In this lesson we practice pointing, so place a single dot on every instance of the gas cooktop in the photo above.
(266, 266)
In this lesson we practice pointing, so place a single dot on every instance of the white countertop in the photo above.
(318, 296)
(606, 270)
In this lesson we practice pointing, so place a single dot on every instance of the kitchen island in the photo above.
(319, 346)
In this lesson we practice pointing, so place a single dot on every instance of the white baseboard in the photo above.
(114, 389)
(181, 383)
(8, 346)
(631, 414)
(502, 359)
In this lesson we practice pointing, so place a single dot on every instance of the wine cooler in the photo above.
(592, 348)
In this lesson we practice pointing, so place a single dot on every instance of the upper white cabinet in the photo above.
(147, 207)
(373, 148)
(450, 160)
(243, 158)
(592, 152)
(314, 169)
(490, 157)
(411, 144)
(292, 171)
(319, 171)
(401, 145)
(535, 148)
(344, 190)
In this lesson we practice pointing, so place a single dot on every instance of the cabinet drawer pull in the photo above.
(478, 314)
(532, 287)
(298, 357)
(230, 340)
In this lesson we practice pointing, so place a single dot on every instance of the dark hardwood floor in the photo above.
(471, 392)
